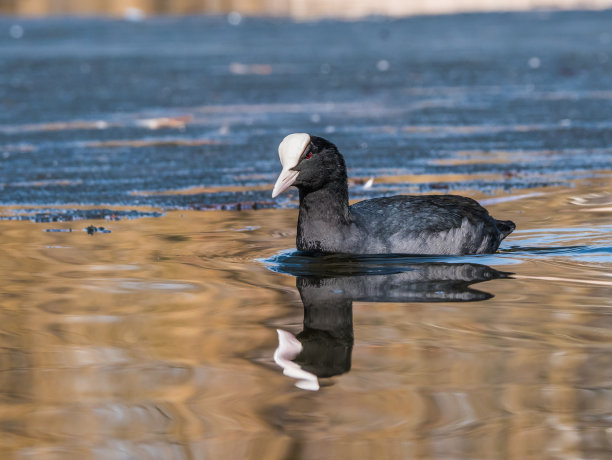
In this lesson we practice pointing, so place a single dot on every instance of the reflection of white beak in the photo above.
(289, 151)
(288, 348)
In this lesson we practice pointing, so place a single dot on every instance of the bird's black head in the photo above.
(309, 163)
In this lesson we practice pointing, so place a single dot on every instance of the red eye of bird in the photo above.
(308, 155)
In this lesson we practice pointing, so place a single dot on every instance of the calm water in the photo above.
(188, 112)
(173, 333)
(161, 340)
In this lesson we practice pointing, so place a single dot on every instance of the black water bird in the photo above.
(401, 224)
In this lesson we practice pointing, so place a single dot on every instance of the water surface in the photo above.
(134, 325)
(187, 113)
(158, 340)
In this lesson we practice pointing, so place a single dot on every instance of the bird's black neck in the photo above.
(328, 203)
(324, 215)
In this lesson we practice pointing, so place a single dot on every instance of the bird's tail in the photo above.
(505, 227)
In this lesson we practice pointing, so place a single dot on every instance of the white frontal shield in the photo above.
(289, 151)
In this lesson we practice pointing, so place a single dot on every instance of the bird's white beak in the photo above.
(284, 181)
(289, 151)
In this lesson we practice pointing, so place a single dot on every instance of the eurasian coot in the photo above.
(427, 224)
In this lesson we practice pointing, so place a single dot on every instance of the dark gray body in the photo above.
(431, 224)
(402, 224)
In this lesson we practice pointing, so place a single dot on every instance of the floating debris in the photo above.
(164, 122)
(151, 143)
(534, 62)
(93, 229)
(69, 215)
(134, 14)
(178, 122)
(248, 228)
(240, 206)
(16, 31)
(383, 65)
(234, 18)
(237, 68)
(90, 230)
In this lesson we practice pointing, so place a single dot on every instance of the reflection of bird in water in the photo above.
(402, 224)
(324, 347)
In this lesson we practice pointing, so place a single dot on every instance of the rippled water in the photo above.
(187, 113)
(161, 340)
(134, 326)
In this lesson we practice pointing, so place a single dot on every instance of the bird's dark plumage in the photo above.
(428, 224)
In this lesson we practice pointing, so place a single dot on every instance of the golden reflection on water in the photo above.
(156, 341)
